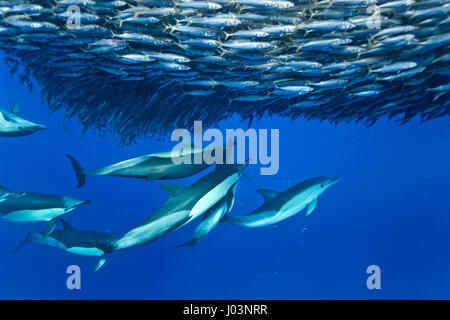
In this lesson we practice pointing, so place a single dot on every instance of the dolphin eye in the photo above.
(322, 185)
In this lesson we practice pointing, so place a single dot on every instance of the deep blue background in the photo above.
(391, 208)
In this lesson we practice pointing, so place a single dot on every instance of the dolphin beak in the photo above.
(80, 204)
(39, 127)
(34, 127)
(334, 180)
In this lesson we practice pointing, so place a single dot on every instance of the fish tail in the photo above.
(79, 171)
(370, 41)
(166, 27)
(190, 243)
(25, 241)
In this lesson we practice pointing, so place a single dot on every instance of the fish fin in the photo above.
(223, 51)
(50, 227)
(190, 243)
(173, 189)
(268, 194)
(15, 109)
(25, 241)
(79, 171)
(101, 262)
(66, 225)
(311, 206)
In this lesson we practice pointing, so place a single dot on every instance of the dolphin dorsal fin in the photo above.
(5, 115)
(15, 109)
(3, 190)
(268, 194)
(173, 189)
(66, 225)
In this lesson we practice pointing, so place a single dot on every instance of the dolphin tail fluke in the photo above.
(190, 243)
(25, 241)
(79, 171)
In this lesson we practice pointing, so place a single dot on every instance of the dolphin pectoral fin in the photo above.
(190, 243)
(25, 241)
(311, 206)
(267, 194)
(153, 177)
(50, 227)
(101, 262)
(173, 189)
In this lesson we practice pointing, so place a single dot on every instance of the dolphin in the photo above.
(86, 243)
(12, 125)
(35, 207)
(212, 217)
(184, 205)
(158, 166)
(279, 206)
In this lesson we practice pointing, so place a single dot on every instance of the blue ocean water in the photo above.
(390, 209)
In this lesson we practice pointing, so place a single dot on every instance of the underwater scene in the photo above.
(224, 149)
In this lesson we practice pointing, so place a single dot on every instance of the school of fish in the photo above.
(146, 67)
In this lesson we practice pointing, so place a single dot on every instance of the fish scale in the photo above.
(173, 60)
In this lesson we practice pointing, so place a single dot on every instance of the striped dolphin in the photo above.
(12, 125)
(35, 207)
(157, 166)
(86, 243)
(184, 205)
(279, 206)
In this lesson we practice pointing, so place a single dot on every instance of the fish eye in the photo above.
(322, 185)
